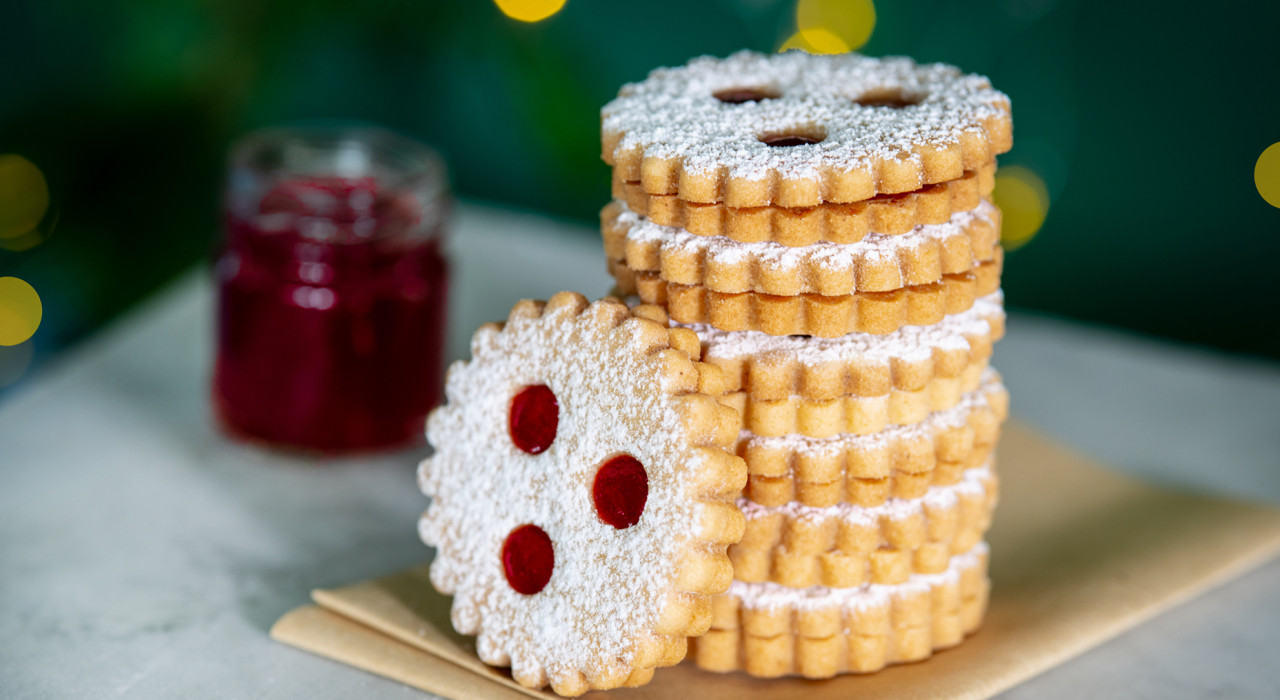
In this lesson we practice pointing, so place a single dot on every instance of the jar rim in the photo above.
(399, 162)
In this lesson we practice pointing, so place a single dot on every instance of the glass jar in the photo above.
(331, 289)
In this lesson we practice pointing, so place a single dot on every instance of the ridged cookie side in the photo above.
(876, 264)
(846, 545)
(867, 470)
(878, 313)
(769, 631)
(772, 368)
(794, 227)
(852, 415)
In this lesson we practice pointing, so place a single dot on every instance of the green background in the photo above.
(1144, 118)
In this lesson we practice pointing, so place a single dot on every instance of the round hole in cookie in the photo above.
(893, 98)
(737, 96)
(533, 417)
(799, 136)
(528, 559)
(620, 491)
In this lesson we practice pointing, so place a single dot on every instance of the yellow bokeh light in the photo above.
(850, 22)
(529, 10)
(1024, 202)
(24, 196)
(818, 41)
(1266, 174)
(20, 311)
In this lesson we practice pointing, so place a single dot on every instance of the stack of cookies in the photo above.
(822, 224)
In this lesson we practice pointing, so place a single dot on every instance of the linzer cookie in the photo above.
(768, 630)
(801, 226)
(852, 415)
(847, 545)
(899, 462)
(796, 130)
(812, 314)
(582, 494)
(771, 367)
(877, 263)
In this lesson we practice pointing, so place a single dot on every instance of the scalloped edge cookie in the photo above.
(878, 313)
(899, 462)
(622, 385)
(877, 263)
(771, 368)
(768, 631)
(888, 214)
(843, 128)
(844, 545)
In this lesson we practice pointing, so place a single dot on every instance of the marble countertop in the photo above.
(142, 555)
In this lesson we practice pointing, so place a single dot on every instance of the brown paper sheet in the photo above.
(1079, 554)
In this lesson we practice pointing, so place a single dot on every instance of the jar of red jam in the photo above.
(331, 290)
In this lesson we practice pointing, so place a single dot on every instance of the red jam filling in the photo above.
(533, 418)
(527, 559)
(620, 491)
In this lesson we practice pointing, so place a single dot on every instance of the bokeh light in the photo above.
(849, 22)
(24, 196)
(529, 10)
(20, 311)
(818, 41)
(1024, 202)
(1266, 174)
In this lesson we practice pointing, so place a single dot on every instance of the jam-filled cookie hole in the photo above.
(533, 417)
(798, 136)
(528, 559)
(893, 98)
(620, 491)
(737, 96)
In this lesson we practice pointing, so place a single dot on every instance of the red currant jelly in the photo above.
(533, 418)
(528, 559)
(332, 290)
(620, 490)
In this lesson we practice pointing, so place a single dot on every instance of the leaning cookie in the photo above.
(581, 494)
(796, 130)
(768, 630)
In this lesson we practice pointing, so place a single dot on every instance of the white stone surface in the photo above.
(144, 556)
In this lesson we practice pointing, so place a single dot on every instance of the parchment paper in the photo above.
(1078, 555)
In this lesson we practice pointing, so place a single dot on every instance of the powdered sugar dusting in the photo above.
(972, 482)
(773, 596)
(608, 585)
(911, 343)
(823, 255)
(674, 114)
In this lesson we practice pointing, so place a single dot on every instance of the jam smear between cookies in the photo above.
(620, 491)
(534, 417)
(528, 559)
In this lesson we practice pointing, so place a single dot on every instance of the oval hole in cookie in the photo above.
(893, 98)
(799, 136)
(528, 559)
(533, 417)
(620, 491)
(737, 96)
